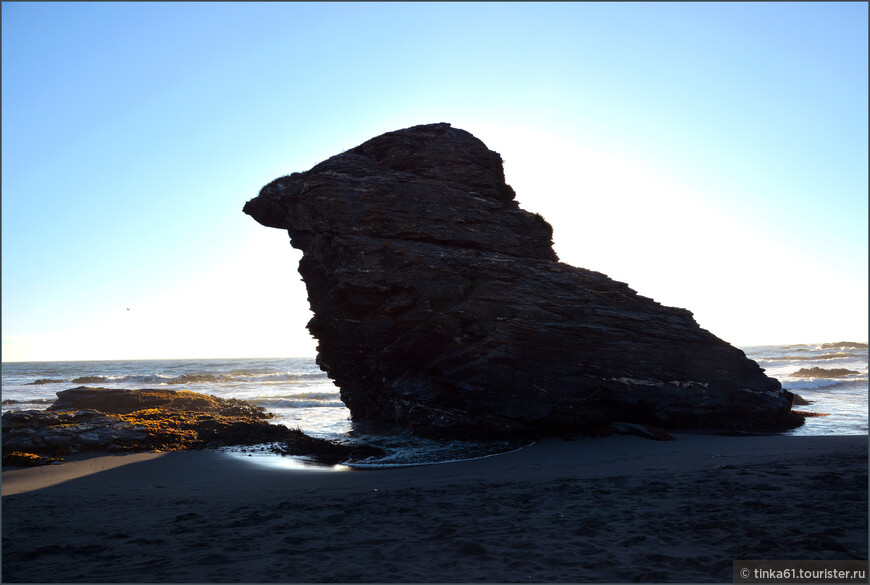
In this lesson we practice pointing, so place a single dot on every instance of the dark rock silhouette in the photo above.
(440, 305)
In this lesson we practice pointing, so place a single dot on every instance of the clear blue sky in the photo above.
(713, 156)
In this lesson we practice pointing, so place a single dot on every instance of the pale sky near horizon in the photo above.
(711, 155)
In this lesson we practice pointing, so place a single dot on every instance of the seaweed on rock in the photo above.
(116, 421)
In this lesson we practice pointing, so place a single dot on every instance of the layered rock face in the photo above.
(441, 306)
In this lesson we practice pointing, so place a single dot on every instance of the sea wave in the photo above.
(134, 378)
(810, 358)
(844, 345)
(269, 373)
(190, 378)
(279, 377)
(317, 395)
(818, 383)
(328, 401)
(194, 379)
(263, 378)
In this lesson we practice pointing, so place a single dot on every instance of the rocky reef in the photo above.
(816, 372)
(121, 421)
(439, 305)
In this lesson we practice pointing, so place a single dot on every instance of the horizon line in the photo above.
(3, 361)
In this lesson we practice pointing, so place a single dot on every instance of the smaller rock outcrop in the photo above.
(118, 421)
(816, 372)
(119, 401)
(801, 401)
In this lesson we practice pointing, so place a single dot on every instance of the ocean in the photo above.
(831, 377)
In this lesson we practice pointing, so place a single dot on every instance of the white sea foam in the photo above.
(813, 384)
(299, 403)
(412, 458)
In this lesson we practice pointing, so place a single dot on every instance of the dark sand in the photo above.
(619, 509)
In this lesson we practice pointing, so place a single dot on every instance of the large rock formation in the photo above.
(440, 305)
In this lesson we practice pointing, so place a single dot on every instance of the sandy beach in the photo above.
(617, 509)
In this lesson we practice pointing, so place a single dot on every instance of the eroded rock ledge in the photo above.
(440, 305)
(120, 421)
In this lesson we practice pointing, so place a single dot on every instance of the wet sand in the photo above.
(618, 509)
